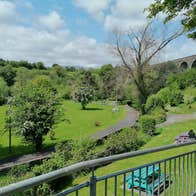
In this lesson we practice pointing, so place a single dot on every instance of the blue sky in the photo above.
(73, 32)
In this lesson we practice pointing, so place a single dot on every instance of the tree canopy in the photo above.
(184, 8)
(33, 110)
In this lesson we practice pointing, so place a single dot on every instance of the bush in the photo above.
(84, 150)
(170, 96)
(163, 94)
(19, 170)
(175, 98)
(183, 80)
(125, 141)
(159, 115)
(147, 124)
(154, 101)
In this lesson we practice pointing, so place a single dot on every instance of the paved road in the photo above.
(130, 119)
(173, 118)
(8, 163)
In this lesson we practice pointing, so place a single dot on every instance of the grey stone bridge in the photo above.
(185, 62)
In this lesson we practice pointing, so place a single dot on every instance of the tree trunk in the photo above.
(38, 143)
(141, 90)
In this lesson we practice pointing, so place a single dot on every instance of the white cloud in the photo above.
(56, 44)
(126, 14)
(25, 43)
(176, 50)
(95, 8)
(51, 21)
(7, 12)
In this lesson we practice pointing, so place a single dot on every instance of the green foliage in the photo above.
(183, 80)
(164, 94)
(19, 170)
(4, 91)
(125, 141)
(159, 115)
(184, 8)
(106, 73)
(154, 101)
(171, 96)
(84, 95)
(84, 150)
(147, 124)
(33, 110)
(8, 74)
(175, 98)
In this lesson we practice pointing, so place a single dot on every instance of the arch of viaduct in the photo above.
(185, 62)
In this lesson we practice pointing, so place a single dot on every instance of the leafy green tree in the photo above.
(84, 95)
(8, 74)
(34, 109)
(106, 73)
(88, 80)
(185, 8)
(4, 91)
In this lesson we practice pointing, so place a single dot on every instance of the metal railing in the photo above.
(172, 176)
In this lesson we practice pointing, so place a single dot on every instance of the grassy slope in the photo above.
(81, 124)
(166, 136)
(184, 108)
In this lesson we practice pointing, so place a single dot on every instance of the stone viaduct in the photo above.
(185, 62)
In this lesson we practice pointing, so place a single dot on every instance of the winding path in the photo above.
(173, 118)
(130, 120)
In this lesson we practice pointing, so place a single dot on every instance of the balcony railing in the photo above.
(171, 176)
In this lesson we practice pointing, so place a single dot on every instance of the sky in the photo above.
(74, 32)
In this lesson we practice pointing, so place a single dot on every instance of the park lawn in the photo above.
(80, 123)
(75, 124)
(166, 136)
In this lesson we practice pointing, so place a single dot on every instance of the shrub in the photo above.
(154, 101)
(147, 124)
(84, 150)
(19, 170)
(175, 98)
(159, 115)
(51, 134)
(125, 141)
(183, 80)
(163, 94)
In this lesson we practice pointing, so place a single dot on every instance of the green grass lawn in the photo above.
(75, 124)
(166, 136)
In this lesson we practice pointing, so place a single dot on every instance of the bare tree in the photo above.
(136, 50)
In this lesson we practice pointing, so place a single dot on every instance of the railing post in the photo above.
(93, 182)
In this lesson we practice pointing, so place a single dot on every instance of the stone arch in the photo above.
(194, 64)
(183, 66)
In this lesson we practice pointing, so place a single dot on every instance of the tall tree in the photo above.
(8, 74)
(185, 8)
(136, 49)
(106, 74)
(33, 110)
